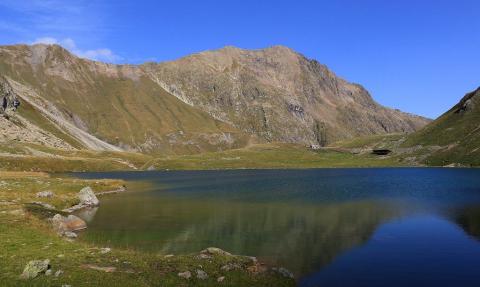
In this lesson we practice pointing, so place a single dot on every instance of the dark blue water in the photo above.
(331, 227)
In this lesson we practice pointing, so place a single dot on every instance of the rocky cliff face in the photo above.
(8, 99)
(205, 102)
(278, 95)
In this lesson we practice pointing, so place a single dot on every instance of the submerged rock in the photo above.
(284, 272)
(35, 267)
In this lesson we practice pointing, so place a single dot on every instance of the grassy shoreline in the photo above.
(26, 236)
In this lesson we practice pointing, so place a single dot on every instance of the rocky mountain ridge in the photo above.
(209, 101)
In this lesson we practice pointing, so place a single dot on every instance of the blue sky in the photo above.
(418, 56)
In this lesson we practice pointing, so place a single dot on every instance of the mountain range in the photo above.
(210, 101)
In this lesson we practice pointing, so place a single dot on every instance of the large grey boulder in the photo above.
(87, 197)
(35, 267)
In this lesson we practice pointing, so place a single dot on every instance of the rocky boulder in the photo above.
(87, 197)
(65, 225)
(35, 267)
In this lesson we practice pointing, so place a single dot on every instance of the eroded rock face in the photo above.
(87, 197)
(8, 99)
(279, 95)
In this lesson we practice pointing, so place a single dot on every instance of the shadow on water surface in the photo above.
(305, 220)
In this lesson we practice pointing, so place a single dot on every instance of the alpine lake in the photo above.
(330, 227)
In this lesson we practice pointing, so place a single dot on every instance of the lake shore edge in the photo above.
(28, 235)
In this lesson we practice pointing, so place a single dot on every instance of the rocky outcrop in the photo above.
(279, 95)
(8, 99)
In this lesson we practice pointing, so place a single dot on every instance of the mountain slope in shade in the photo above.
(456, 134)
(278, 95)
(210, 101)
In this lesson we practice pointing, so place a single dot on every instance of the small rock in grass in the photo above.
(99, 268)
(220, 279)
(187, 274)
(215, 251)
(230, 267)
(105, 250)
(202, 275)
(48, 272)
(44, 205)
(168, 256)
(204, 256)
(35, 267)
(60, 255)
(46, 193)
(70, 234)
(58, 273)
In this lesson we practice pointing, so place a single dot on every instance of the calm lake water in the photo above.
(331, 227)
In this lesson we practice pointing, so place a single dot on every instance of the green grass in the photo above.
(456, 132)
(374, 141)
(272, 156)
(262, 156)
(25, 235)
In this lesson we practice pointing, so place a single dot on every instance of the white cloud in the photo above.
(45, 40)
(101, 54)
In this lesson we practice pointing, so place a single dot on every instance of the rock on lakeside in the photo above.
(63, 225)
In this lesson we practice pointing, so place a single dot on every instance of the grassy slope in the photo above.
(456, 131)
(20, 158)
(25, 236)
(254, 156)
(271, 156)
(112, 102)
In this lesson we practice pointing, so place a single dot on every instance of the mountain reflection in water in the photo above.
(301, 219)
